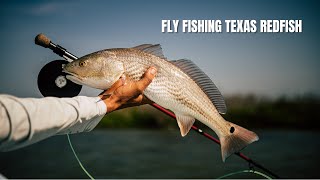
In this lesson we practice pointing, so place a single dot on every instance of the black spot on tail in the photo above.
(232, 129)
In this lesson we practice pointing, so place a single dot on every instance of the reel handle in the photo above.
(42, 40)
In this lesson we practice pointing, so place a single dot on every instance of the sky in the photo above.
(268, 64)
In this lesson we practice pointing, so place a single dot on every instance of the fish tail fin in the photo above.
(237, 139)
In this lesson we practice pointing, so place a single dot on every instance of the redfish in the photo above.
(179, 86)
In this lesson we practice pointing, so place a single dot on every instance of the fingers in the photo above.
(128, 93)
(140, 100)
(146, 79)
(116, 85)
(136, 100)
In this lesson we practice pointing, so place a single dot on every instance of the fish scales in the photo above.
(136, 63)
(172, 88)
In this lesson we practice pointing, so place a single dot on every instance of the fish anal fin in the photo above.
(237, 139)
(185, 123)
(154, 49)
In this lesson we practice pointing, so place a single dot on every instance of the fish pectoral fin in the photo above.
(185, 123)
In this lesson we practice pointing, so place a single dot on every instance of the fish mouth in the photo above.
(69, 73)
(73, 77)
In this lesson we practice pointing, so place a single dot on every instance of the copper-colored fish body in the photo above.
(179, 86)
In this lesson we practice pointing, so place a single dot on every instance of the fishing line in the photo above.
(251, 162)
(200, 131)
(43, 41)
(221, 177)
(75, 155)
(243, 172)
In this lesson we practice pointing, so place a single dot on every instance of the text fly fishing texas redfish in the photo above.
(179, 86)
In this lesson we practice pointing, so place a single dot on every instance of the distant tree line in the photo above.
(250, 111)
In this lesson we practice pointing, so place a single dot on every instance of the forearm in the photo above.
(25, 121)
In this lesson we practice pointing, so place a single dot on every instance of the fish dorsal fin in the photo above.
(204, 82)
(154, 49)
(185, 123)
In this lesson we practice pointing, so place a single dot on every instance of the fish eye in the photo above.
(83, 63)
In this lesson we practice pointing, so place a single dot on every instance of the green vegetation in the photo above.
(249, 111)
(137, 117)
(284, 112)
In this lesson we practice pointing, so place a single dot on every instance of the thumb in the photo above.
(147, 78)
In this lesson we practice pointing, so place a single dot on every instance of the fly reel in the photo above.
(53, 82)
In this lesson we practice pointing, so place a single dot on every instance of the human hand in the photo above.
(125, 93)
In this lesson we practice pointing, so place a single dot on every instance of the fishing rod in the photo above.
(45, 42)
(208, 136)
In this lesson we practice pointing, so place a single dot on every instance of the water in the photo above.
(161, 154)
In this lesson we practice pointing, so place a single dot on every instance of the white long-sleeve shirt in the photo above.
(24, 121)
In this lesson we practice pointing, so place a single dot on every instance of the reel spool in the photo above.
(53, 82)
